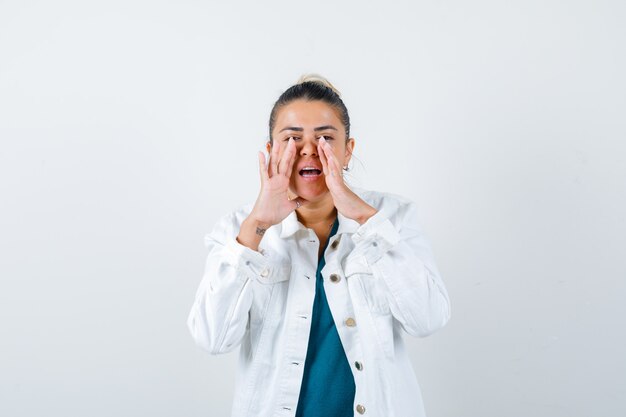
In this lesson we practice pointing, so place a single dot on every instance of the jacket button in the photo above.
(334, 244)
(360, 409)
(334, 277)
(350, 322)
(358, 365)
(265, 273)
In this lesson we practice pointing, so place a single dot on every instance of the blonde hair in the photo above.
(316, 78)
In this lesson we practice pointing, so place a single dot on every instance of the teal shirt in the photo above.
(327, 384)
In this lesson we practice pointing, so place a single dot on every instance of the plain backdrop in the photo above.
(128, 127)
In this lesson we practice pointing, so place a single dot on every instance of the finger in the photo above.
(336, 166)
(330, 158)
(286, 158)
(262, 168)
(292, 159)
(320, 151)
(274, 160)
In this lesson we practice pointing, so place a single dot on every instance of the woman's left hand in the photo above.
(347, 202)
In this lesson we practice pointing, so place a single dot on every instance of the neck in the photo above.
(318, 212)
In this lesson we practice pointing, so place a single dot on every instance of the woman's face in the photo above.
(306, 122)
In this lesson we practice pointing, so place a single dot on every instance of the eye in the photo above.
(294, 138)
(326, 137)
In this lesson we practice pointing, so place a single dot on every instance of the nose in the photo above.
(309, 147)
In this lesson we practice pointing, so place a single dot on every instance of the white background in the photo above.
(128, 127)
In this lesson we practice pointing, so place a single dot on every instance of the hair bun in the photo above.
(316, 78)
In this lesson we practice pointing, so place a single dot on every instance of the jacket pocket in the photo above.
(373, 289)
(383, 324)
(375, 300)
(268, 292)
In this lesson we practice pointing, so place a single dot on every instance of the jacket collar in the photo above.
(290, 225)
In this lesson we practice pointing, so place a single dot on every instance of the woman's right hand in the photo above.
(273, 204)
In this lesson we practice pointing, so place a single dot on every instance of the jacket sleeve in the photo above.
(219, 316)
(400, 256)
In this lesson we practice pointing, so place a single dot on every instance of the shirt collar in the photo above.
(290, 225)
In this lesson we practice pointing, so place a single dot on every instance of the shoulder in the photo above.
(391, 203)
(239, 214)
(228, 224)
(401, 211)
(235, 216)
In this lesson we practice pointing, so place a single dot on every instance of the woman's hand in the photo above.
(346, 201)
(273, 204)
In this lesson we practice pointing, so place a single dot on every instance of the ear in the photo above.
(349, 148)
(268, 146)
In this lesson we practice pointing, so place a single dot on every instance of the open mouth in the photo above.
(310, 172)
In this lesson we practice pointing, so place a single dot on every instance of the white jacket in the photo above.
(380, 278)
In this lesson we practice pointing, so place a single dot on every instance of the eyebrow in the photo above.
(317, 129)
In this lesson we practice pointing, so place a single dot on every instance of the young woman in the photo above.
(316, 280)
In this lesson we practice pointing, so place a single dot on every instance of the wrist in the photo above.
(255, 222)
(365, 216)
(251, 232)
(255, 218)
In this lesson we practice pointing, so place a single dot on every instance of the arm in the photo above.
(400, 256)
(219, 315)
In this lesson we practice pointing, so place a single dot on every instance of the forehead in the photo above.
(307, 114)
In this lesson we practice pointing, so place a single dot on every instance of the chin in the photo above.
(310, 192)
